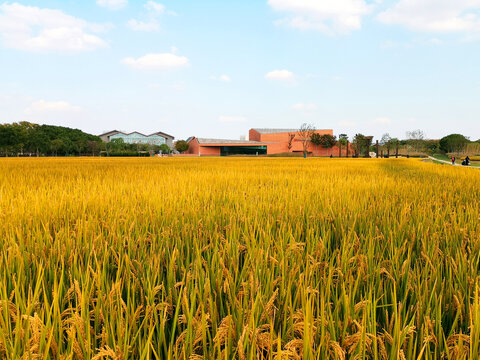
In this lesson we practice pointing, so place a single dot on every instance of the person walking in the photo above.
(453, 160)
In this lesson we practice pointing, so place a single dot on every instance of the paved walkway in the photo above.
(450, 163)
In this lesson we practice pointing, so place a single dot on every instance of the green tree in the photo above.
(56, 146)
(343, 139)
(165, 149)
(33, 138)
(326, 140)
(361, 144)
(181, 146)
(117, 144)
(93, 147)
(453, 143)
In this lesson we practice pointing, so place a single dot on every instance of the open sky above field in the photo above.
(217, 68)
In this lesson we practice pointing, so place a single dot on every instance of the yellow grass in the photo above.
(238, 259)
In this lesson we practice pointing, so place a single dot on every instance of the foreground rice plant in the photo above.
(238, 259)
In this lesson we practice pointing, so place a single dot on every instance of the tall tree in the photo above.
(343, 139)
(416, 138)
(454, 143)
(326, 140)
(181, 146)
(291, 138)
(305, 134)
(361, 144)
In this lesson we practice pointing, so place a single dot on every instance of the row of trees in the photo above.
(416, 141)
(308, 135)
(30, 139)
(25, 138)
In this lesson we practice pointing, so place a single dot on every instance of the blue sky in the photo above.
(219, 68)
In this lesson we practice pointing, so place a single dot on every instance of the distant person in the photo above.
(453, 160)
(467, 161)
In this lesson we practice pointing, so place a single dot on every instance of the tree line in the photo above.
(26, 138)
(415, 141)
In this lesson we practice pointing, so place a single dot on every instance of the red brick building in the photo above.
(222, 147)
(262, 142)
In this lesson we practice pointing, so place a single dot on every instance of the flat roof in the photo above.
(277, 131)
(204, 141)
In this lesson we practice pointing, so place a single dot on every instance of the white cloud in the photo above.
(155, 7)
(43, 106)
(137, 25)
(328, 16)
(304, 107)
(150, 20)
(232, 119)
(30, 28)
(382, 121)
(224, 78)
(347, 124)
(163, 61)
(436, 16)
(112, 4)
(282, 75)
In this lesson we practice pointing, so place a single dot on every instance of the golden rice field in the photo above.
(237, 258)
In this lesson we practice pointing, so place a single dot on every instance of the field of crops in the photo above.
(238, 258)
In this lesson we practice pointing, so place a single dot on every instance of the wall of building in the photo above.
(193, 147)
(197, 149)
(278, 142)
(209, 150)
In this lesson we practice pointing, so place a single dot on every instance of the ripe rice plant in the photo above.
(236, 258)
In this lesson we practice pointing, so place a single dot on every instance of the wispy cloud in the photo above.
(163, 61)
(112, 4)
(150, 20)
(280, 75)
(382, 121)
(224, 78)
(327, 16)
(43, 106)
(30, 28)
(347, 124)
(232, 119)
(304, 107)
(433, 16)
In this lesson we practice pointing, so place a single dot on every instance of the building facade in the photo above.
(222, 147)
(287, 140)
(136, 137)
(263, 142)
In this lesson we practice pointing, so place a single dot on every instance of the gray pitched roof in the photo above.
(113, 132)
